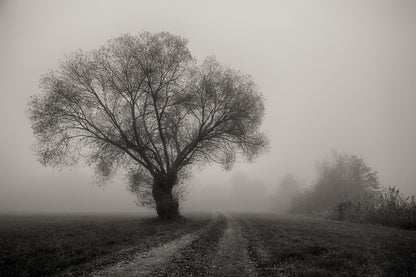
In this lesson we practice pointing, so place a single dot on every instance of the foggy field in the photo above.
(208, 138)
(225, 245)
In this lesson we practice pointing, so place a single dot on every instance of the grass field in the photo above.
(269, 245)
(295, 246)
(45, 245)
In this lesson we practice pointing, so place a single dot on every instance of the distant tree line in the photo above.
(346, 188)
(342, 177)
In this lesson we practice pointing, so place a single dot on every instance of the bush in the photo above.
(340, 178)
(390, 208)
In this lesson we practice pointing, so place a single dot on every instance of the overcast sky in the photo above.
(336, 75)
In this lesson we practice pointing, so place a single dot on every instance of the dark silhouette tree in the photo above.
(142, 104)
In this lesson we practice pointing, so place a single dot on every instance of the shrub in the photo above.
(341, 178)
(390, 208)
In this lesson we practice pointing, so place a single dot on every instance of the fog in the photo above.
(336, 75)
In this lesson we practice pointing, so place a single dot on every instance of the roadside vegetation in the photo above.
(47, 245)
(390, 208)
(348, 189)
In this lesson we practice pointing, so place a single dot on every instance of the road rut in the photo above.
(143, 263)
(194, 254)
(232, 257)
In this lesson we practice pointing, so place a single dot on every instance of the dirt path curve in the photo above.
(143, 263)
(232, 257)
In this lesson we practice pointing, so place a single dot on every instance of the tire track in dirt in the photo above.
(261, 258)
(219, 249)
(143, 263)
(196, 258)
(258, 244)
(232, 257)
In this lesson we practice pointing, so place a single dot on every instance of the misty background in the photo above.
(336, 75)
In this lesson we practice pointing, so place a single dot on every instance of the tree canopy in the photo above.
(144, 104)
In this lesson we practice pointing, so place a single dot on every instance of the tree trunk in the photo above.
(167, 206)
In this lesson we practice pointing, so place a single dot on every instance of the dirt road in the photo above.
(219, 249)
(143, 263)
(266, 245)
(202, 245)
(231, 258)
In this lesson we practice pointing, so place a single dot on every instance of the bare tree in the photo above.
(142, 104)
